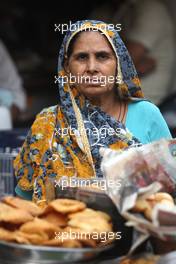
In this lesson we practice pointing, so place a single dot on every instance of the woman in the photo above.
(65, 139)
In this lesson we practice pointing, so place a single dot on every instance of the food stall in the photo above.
(98, 221)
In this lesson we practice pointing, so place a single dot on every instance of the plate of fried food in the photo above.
(66, 230)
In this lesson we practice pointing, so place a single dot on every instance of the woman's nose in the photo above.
(92, 65)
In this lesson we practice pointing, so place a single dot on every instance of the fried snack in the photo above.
(72, 229)
(67, 243)
(104, 215)
(52, 243)
(71, 243)
(35, 239)
(74, 232)
(84, 237)
(160, 197)
(12, 237)
(90, 213)
(90, 225)
(86, 212)
(22, 238)
(143, 206)
(53, 226)
(38, 226)
(28, 206)
(6, 235)
(55, 218)
(87, 239)
(66, 206)
(87, 242)
(146, 206)
(15, 216)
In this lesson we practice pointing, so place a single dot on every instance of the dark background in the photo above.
(27, 30)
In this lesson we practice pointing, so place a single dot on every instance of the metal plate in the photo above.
(11, 253)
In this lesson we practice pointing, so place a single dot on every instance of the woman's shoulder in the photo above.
(143, 107)
(147, 122)
(45, 119)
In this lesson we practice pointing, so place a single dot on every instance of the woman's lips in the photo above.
(92, 82)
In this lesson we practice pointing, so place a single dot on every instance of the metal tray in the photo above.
(12, 253)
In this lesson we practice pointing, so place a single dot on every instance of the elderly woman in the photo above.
(102, 106)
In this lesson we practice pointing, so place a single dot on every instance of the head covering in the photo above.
(65, 139)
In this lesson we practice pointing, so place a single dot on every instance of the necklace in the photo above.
(122, 112)
(119, 115)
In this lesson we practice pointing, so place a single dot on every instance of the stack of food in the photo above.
(63, 223)
(147, 205)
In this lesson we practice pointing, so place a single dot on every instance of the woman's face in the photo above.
(93, 63)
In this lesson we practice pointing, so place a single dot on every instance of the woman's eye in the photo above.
(102, 56)
(82, 57)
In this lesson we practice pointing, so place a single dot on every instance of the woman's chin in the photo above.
(94, 90)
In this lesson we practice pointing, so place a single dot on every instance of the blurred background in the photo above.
(29, 46)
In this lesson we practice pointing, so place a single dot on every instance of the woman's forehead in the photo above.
(92, 40)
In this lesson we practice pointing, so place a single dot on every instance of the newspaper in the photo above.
(142, 172)
(85, 190)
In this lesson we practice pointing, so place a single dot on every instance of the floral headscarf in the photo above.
(65, 139)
